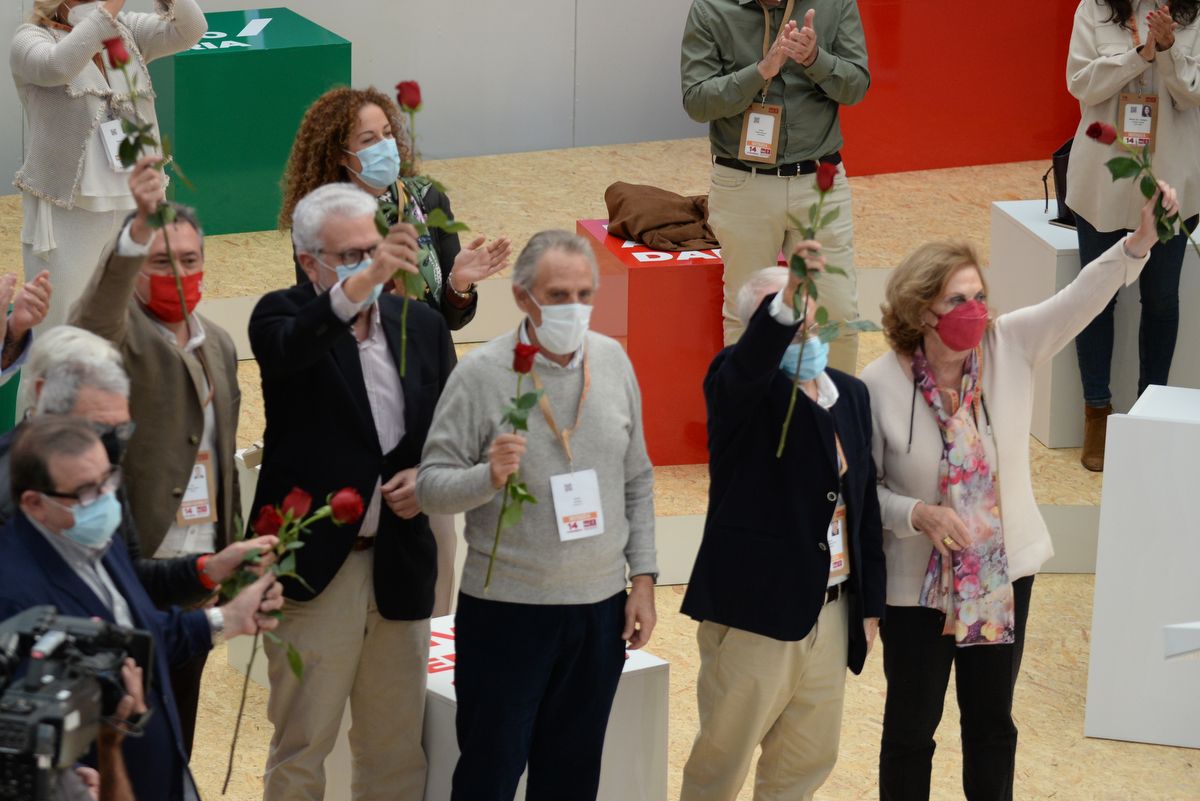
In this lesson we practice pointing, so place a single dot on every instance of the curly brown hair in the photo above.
(916, 284)
(320, 143)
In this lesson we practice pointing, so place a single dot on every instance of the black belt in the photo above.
(782, 170)
(833, 593)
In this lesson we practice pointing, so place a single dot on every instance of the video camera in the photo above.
(49, 717)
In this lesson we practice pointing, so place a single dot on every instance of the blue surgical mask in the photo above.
(95, 523)
(344, 271)
(380, 164)
(813, 363)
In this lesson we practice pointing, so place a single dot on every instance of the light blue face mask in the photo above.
(344, 271)
(380, 164)
(816, 357)
(95, 523)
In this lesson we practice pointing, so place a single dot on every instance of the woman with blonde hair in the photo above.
(951, 406)
(74, 199)
(357, 135)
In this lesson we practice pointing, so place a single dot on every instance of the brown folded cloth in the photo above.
(659, 219)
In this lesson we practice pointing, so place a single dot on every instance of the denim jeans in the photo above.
(1159, 327)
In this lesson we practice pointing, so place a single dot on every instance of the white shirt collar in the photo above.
(827, 391)
(196, 330)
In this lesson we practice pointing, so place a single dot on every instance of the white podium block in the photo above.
(1182, 641)
(1030, 261)
(1146, 575)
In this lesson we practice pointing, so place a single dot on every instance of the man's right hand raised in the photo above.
(148, 187)
(398, 251)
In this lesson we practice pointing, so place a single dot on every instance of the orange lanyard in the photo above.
(787, 15)
(564, 435)
(1133, 31)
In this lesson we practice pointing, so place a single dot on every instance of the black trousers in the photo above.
(916, 661)
(535, 684)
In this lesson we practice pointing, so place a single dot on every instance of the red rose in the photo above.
(1102, 132)
(268, 522)
(346, 506)
(825, 175)
(523, 357)
(118, 56)
(408, 95)
(298, 502)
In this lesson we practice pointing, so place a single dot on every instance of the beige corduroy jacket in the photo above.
(66, 96)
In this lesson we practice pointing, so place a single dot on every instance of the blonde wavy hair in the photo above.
(917, 283)
(321, 143)
(44, 11)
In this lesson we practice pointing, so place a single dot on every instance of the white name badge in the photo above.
(111, 136)
(577, 505)
(196, 506)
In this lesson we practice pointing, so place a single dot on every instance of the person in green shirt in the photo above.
(814, 62)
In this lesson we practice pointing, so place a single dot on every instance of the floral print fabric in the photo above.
(972, 587)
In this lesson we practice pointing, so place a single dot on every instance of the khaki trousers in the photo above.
(785, 695)
(749, 214)
(350, 652)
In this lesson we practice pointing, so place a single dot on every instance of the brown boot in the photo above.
(1095, 424)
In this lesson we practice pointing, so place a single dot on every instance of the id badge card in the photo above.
(839, 560)
(1138, 119)
(760, 133)
(111, 136)
(197, 505)
(577, 505)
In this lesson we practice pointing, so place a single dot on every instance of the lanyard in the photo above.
(787, 15)
(564, 435)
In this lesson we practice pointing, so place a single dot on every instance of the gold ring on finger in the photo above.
(947, 541)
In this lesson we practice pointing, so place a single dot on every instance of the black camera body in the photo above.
(50, 715)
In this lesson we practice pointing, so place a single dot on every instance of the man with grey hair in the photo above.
(349, 387)
(559, 573)
(74, 372)
(180, 475)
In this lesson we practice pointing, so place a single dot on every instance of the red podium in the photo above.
(665, 308)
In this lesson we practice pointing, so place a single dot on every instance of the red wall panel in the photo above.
(955, 83)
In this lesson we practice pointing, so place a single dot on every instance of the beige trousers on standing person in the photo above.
(350, 652)
(446, 538)
(749, 215)
(785, 695)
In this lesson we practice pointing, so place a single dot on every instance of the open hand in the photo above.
(1162, 28)
(479, 260)
(786, 45)
(807, 40)
(30, 307)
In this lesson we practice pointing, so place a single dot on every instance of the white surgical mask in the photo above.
(76, 14)
(563, 326)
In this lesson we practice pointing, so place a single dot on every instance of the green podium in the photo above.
(231, 105)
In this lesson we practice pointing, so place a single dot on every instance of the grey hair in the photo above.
(760, 284)
(61, 344)
(64, 382)
(541, 243)
(187, 214)
(330, 200)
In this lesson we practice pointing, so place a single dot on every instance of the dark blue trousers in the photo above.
(1159, 327)
(535, 684)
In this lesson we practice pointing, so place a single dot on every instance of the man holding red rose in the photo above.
(772, 115)
(339, 414)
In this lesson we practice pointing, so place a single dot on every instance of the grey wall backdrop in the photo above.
(497, 76)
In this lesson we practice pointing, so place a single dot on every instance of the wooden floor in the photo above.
(519, 194)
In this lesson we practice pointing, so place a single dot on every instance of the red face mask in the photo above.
(962, 327)
(164, 296)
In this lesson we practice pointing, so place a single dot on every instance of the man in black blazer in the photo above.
(789, 583)
(339, 413)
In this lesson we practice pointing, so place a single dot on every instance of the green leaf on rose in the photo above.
(812, 214)
(511, 516)
(1123, 167)
(437, 218)
(381, 223)
(812, 287)
(1148, 186)
(529, 399)
(798, 265)
(861, 325)
(295, 662)
(288, 564)
(821, 316)
(273, 637)
(128, 152)
(828, 333)
(835, 271)
(830, 217)
(295, 545)
(251, 556)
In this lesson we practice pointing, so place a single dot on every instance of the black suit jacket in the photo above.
(321, 435)
(763, 563)
(32, 573)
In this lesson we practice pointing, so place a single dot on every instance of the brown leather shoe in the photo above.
(1095, 425)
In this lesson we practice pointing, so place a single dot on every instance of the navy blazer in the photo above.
(32, 573)
(321, 435)
(763, 564)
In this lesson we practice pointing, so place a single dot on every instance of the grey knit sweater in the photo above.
(533, 565)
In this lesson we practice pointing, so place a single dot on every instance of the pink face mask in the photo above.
(962, 327)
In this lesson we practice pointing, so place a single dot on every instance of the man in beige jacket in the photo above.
(184, 395)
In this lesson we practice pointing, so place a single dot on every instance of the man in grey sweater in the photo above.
(540, 649)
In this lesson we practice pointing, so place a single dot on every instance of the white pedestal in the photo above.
(1147, 576)
(1030, 261)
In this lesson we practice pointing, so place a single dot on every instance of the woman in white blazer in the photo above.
(74, 201)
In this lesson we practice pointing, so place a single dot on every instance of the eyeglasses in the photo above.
(90, 493)
(353, 256)
(122, 431)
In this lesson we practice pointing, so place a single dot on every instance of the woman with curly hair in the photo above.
(951, 407)
(1127, 57)
(356, 135)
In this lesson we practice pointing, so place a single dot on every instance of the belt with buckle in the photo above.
(363, 543)
(782, 170)
(833, 593)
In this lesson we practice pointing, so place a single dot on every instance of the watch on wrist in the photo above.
(216, 621)
(464, 295)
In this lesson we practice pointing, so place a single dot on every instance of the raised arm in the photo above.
(177, 25)
(38, 59)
